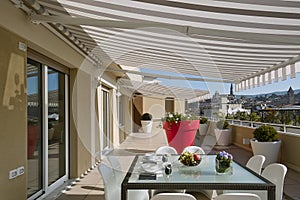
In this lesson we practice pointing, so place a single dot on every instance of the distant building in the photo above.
(223, 104)
(291, 96)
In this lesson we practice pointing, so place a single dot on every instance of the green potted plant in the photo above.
(180, 129)
(203, 126)
(147, 122)
(223, 132)
(265, 142)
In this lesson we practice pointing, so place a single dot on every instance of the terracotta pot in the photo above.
(182, 134)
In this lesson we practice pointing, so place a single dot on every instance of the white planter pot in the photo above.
(223, 136)
(203, 129)
(147, 126)
(269, 149)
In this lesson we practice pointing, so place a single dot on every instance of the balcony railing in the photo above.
(279, 127)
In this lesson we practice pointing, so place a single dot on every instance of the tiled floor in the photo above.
(90, 187)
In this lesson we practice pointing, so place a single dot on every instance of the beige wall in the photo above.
(15, 25)
(180, 106)
(38, 37)
(154, 106)
(13, 115)
(80, 104)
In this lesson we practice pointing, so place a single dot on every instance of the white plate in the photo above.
(150, 167)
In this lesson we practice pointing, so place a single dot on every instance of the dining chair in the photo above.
(276, 174)
(166, 150)
(238, 196)
(112, 186)
(255, 163)
(115, 164)
(194, 149)
(173, 196)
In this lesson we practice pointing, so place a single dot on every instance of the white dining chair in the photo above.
(173, 196)
(112, 186)
(238, 196)
(275, 173)
(166, 150)
(255, 163)
(115, 164)
(194, 149)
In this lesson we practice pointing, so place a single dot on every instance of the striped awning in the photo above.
(156, 90)
(249, 43)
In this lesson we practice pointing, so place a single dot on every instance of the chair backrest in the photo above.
(237, 196)
(111, 188)
(115, 164)
(255, 163)
(276, 174)
(194, 149)
(173, 196)
(166, 150)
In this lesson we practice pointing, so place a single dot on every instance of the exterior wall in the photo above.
(13, 115)
(80, 112)
(15, 27)
(180, 106)
(156, 107)
(127, 116)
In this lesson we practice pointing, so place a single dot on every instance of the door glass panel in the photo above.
(105, 119)
(34, 128)
(56, 126)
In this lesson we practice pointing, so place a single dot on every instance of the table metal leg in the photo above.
(271, 193)
(123, 193)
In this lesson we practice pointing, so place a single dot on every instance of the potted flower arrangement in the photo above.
(223, 132)
(180, 129)
(189, 158)
(265, 142)
(203, 126)
(147, 122)
(223, 162)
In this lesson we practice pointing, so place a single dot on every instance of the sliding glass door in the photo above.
(56, 126)
(105, 120)
(34, 128)
(47, 128)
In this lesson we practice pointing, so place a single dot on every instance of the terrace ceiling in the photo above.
(226, 40)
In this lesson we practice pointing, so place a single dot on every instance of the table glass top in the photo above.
(203, 173)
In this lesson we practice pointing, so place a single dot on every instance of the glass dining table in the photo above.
(148, 172)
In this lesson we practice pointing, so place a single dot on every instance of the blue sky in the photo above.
(224, 88)
(33, 85)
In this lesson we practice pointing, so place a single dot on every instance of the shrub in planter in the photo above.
(146, 122)
(222, 124)
(265, 142)
(203, 126)
(146, 117)
(203, 120)
(180, 129)
(223, 133)
(265, 134)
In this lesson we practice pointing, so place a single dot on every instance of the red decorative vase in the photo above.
(181, 134)
(32, 138)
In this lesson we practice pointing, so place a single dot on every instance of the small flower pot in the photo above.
(223, 167)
